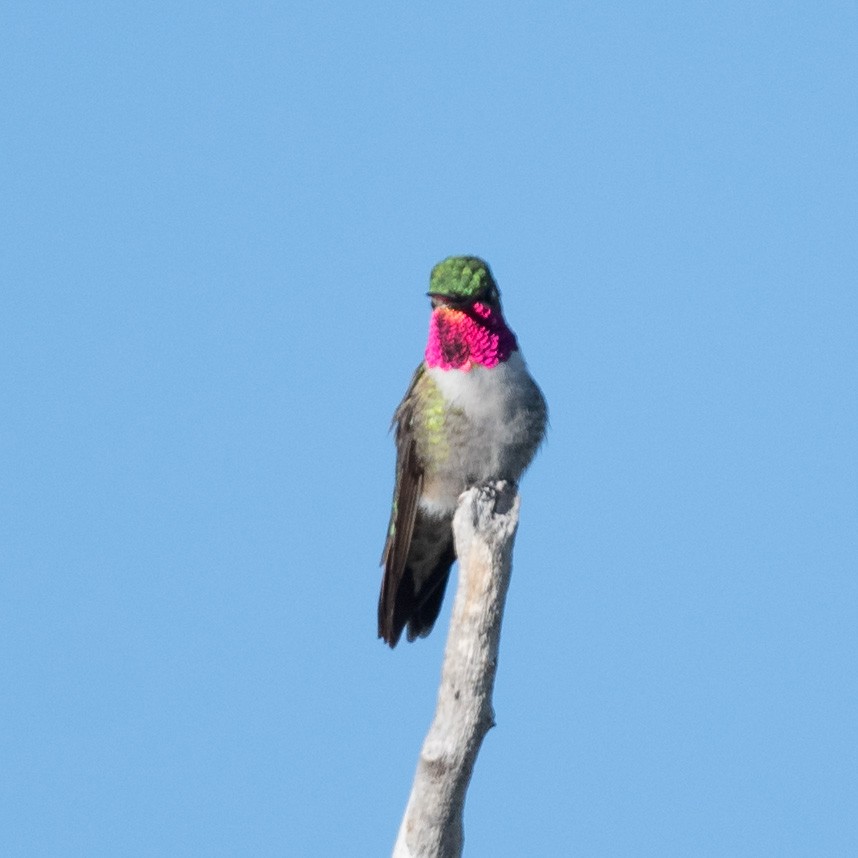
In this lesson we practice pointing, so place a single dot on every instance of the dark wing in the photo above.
(406, 494)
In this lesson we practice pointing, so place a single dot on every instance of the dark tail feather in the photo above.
(430, 597)
(417, 608)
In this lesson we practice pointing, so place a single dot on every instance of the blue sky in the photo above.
(218, 226)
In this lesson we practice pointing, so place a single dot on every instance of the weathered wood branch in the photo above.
(484, 528)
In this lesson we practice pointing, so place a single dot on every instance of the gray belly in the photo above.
(494, 423)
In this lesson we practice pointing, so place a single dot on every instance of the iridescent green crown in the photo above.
(461, 277)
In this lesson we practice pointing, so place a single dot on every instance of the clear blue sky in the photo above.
(218, 223)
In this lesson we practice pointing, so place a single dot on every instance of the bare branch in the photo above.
(484, 529)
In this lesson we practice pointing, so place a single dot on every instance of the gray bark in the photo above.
(484, 528)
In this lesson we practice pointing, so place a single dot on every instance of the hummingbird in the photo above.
(472, 414)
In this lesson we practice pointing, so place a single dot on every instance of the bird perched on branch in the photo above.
(471, 415)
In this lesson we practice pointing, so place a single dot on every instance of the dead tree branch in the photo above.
(484, 528)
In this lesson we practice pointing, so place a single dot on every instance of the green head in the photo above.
(462, 279)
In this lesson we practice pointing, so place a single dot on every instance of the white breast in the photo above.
(485, 393)
(504, 418)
